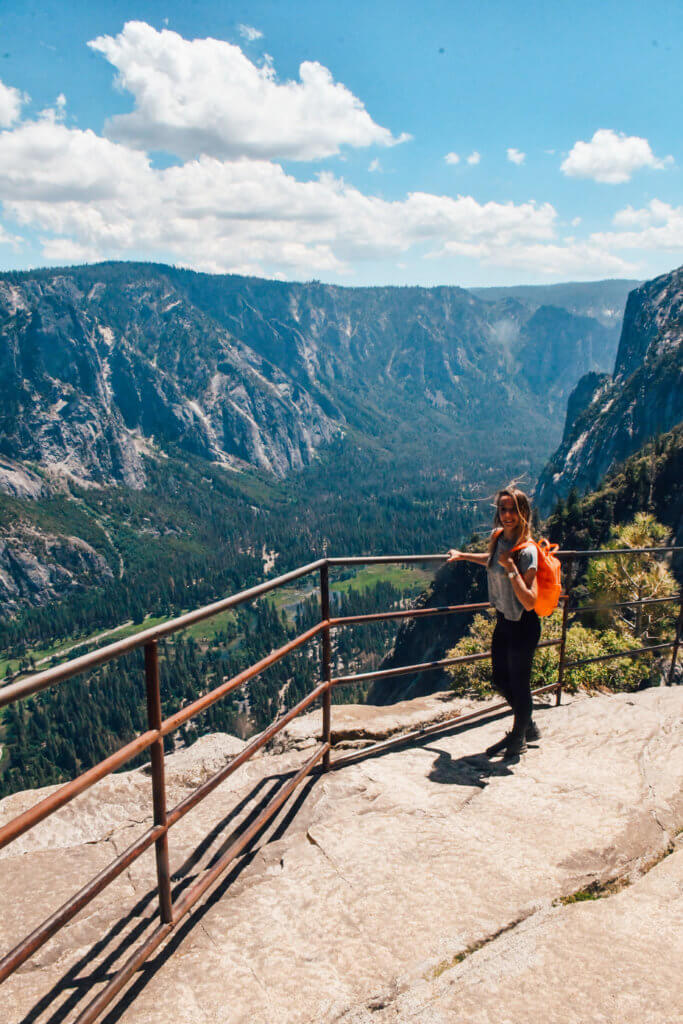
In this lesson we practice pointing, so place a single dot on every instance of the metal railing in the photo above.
(172, 911)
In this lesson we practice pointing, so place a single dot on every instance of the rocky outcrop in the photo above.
(609, 419)
(426, 884)
(38, 567)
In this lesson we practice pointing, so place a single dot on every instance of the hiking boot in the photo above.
(515, 745)
(499, 747)
(533, 733)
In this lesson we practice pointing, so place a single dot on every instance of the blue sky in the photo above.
(439, 143)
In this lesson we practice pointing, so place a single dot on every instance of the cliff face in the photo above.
(103, 364)
(609, 418)
(96, 373)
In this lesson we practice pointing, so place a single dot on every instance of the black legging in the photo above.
(512, 652)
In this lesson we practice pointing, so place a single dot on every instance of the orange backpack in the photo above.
(548, 574)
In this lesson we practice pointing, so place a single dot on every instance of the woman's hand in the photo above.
(507, 562)
(454, 556)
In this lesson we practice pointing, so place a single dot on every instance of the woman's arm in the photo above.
(478, 557)
(525, 587)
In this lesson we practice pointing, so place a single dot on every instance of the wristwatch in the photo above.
(511, 575)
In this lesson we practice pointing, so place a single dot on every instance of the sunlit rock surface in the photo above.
(419, 885)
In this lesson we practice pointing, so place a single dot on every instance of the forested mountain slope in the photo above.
(150, 412)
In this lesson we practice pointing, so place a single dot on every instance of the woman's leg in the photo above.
(520, 655)
(500, 672)
(500, 677)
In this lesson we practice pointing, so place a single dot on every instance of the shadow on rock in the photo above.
(473, 770)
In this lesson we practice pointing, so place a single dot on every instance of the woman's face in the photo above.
(507, 511)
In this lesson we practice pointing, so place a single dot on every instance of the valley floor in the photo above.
(425, 885)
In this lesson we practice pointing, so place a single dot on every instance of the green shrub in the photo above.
(474, 679)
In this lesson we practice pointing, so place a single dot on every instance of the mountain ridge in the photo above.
(105, 361)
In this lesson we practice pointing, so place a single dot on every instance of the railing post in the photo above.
(156, 752)
(677, 644)
(563, 636)
(326, 661)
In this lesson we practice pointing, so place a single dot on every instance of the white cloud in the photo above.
(205, 97)
(249, 33)
(611, 157)
(92, 198)
(576, 221)
(10, 105)
(655, 226)
(581, 260)
(515, 156)
(44, 159)
(452, 158)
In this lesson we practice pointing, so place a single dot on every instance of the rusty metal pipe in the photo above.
(28, 946)
(677, 643)
(622, 654)
(566, 598)
(51, 926)
(622, 604)
(17, 826)
(259, 741)
(202, 703)
(207, 879)
(156, 752)
(326, 652)
(412, 559)
(386, 559)
(93, 1010)
(41, 680)
(428, 666)
(608, 552)
(409, 613)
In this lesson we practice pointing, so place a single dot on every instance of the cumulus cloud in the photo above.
(250, 33)
(205, 97)
(44, 159)
(515, 156)
(611, 157)
(578, 259)
(11, 101)
(93, 198)
(655, 226)
(452, 158)
(90, 197)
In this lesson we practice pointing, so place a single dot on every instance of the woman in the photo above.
(512, 591)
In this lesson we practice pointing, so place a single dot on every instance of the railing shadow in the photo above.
(144, 913)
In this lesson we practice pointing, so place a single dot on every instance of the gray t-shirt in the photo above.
(501, 594)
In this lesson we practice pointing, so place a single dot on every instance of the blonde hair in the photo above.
(523, 507)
